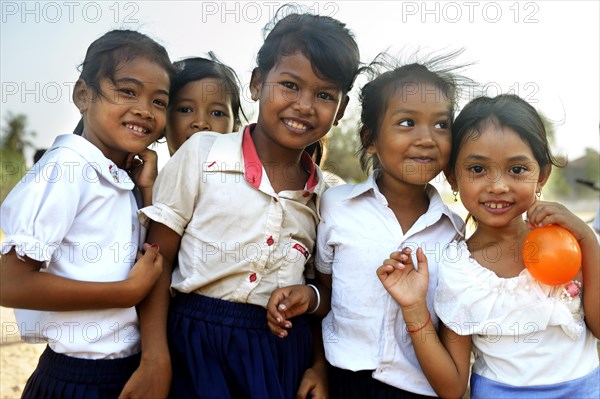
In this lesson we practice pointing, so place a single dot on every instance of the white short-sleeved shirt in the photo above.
(365, 329)
(75, 211)
(240, 239)
(524, 333)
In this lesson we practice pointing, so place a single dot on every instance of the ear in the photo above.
(366, 135)
(341, 110)
(81, 95)
(451, 178)
(255, 84)
(544, 176)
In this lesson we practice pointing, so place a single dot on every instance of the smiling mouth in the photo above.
(422, 160)
(136, 128)
(295, 124)
(497, 205)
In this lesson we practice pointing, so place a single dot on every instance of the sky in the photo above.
(545, 51)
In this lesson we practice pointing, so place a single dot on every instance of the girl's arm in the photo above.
(153, 376)
(543, 213)
(314, 381)
(445, 362)
(23, 286)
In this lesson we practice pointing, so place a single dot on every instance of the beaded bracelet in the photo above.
(318, 298)
(420, 328)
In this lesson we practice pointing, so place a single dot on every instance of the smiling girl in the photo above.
(79, 278)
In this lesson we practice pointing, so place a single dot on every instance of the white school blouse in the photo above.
(240, 240)
(524, 333)
(75, 211)
(365, 329)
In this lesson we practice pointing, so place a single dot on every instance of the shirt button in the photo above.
(252, 277)
(306, 194)
(275, 199)
(270, 241)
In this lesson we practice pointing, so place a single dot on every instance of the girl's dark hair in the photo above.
(388, 78)
(325, 41)
(114, 48)
(197, 68)
(505, 110)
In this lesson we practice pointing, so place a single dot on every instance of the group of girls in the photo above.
(199, 286)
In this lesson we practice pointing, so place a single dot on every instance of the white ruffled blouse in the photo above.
(524, 332)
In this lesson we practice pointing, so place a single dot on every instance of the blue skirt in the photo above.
(65, 377)
(221, 349)
(586, 387)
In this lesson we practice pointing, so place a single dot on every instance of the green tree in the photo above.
(15, 139)
(558, 185)
(341, 156)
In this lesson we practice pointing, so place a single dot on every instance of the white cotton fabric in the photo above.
(523, 332)
(240, 239)
(75, 211)
(365, 329)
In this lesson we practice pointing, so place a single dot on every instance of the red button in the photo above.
(275, 199)
(270, 241)
(306, 194)
(253, 277)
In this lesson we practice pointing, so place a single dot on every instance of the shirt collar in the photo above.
(95, 159)
(437, 207)
(236, 152)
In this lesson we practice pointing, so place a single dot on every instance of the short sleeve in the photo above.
(176, 189)
(325, 248)
(39, 211)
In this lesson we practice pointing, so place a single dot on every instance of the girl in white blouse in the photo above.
(70, 261)
(529, 339)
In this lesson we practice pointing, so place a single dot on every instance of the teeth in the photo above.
(495, 205)
(136, 128)
(296, 125)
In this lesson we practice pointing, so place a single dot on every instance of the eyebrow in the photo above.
(516, 158)
(293, 75)
(191, 100)
(139, 84)
(445, 114)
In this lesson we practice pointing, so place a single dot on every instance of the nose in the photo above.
(200, 123)
(303, 102)
(424, 136)
(143, 112)
(497, 183)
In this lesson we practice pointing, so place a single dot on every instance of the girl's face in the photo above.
(130, 113)
(497, 176)
(199, 105)
(414, 139)
(296, 107)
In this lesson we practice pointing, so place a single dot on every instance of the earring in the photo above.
(455, 193)
(538, 193)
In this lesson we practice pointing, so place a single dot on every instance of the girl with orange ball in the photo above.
(530, 339)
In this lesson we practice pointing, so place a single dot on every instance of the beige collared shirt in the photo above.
(240, 240)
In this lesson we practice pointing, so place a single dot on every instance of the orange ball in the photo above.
(552, 255)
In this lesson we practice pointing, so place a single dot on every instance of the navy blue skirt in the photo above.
(221, 349)
(65, 377)
(347, 384)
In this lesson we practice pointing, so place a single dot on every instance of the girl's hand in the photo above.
(152, 379)
(399, 277)
(147, 269)
(543, 213)
(285, 303)
(314, 383)
(143, 169)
